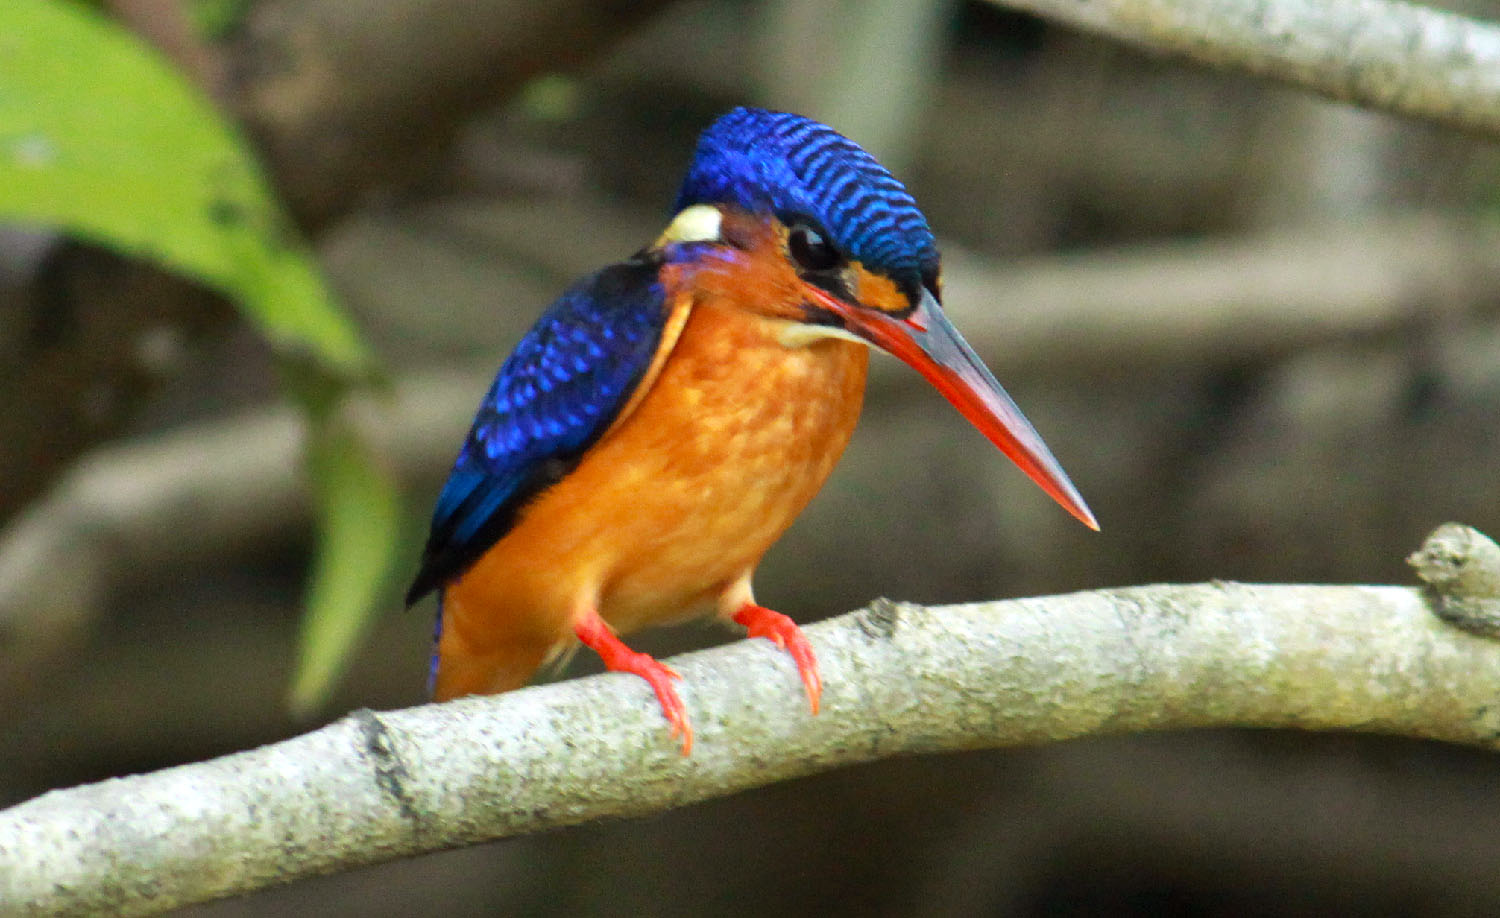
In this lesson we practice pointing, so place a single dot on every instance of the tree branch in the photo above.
(900, 679)
(1384, 54)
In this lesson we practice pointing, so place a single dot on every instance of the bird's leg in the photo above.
(772, 625)
(597, 636)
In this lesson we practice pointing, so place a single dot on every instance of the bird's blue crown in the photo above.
(761, 160)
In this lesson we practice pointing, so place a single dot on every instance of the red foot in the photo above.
(774, 626)
(595, 635)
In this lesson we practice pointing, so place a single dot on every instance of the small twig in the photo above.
(1461, 567)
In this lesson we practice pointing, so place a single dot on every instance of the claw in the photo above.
(778, 628)
(617, 657)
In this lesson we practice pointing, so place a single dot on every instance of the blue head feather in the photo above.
(760, 160)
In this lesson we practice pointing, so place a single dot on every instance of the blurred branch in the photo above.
(134, 510)
(345, 96)
(1384, 54)
(901, 679)
(1228, 300)
(871, 68)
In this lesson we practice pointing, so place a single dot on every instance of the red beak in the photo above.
(927, 342)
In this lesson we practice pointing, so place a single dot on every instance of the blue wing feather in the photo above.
(559, 390)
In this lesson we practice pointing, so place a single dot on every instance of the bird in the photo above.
(670, 415)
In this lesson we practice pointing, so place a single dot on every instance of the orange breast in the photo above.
(732, 439)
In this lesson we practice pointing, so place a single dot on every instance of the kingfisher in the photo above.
(669, 416)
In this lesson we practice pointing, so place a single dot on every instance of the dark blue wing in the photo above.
(556, 394)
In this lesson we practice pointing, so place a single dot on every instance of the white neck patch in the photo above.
(799, 334)
(699, 223)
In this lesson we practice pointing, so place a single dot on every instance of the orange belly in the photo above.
(672, 507)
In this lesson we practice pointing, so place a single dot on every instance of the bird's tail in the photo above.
(460, 669)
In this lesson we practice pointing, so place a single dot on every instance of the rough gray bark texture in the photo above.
(900, 679)
(1385, 54)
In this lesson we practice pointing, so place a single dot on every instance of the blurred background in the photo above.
(1258, 328)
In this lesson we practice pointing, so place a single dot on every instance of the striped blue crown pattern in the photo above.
(788, 164)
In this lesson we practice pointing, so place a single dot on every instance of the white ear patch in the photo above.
(699, 223)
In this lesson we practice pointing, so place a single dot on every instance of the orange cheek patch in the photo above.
(875, 291)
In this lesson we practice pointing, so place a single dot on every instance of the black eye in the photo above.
(810, 250)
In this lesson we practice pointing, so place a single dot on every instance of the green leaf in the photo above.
(359, 518)
(100, 138)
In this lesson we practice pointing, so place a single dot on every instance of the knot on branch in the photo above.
(1461, 569)
(391, 775)
(880, 619)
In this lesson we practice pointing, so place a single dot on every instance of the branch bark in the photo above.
(1384, 54)
(901, 679)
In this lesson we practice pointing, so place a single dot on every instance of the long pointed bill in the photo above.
(928, 343)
